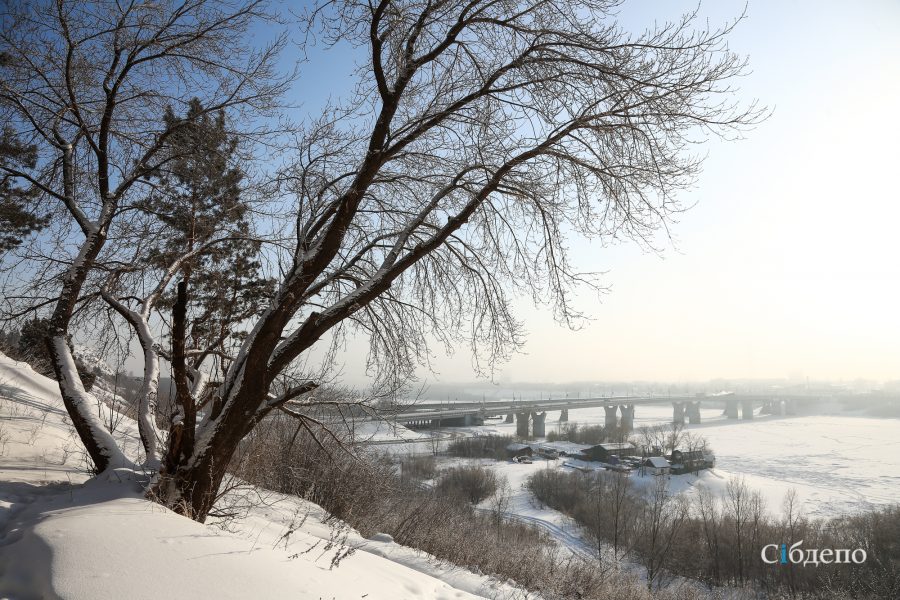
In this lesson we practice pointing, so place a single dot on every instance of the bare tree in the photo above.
(620, 507)
(673, 436)
(710, 512)
(662, 519)
(737, 504)
(757, 524)
(480, 134)
(499, 504)
(792, 525)
(84, 85)
(599, 505)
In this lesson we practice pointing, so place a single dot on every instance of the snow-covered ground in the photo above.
(64, 535)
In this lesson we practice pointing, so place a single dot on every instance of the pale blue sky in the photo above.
(788, 264)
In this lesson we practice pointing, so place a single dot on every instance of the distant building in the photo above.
(563, 448)
(604, 452)
(689, 461)
(656, 465)
(546, 451)
(515, 450)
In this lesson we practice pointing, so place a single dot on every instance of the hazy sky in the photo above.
(788, 263)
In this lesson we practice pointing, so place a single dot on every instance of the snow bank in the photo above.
(66, 536)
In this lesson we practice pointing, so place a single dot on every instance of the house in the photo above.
(562, 448)
(515, 450)
(689, 461)
(656, 465)
(604, 452)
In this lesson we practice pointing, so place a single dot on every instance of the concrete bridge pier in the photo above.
(693, 412)
(627, 416)
(510, 418)
(678, 412)
(522, 424)
(564, 415)
(746, 409)
(731, 408)
(610, 422)
(539, 424)
(782, 407)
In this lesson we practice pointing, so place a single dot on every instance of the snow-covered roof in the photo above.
(657, 462)
(515, 447)
(615, 446)
(567, 447)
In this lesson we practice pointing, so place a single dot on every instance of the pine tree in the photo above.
(198, 197)
(198, 200)
(17, 218)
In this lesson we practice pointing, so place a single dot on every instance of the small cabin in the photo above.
(656, 465)
(516, 450)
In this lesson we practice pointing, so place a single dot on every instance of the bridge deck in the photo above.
(489, 409)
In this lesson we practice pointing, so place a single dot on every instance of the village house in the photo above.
(606, 451)
(690, 461)
(656, 465)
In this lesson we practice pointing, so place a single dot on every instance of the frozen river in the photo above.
(838, 464)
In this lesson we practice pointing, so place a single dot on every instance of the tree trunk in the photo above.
(191, 487)
(147, 404)
(81, 406)
(190, 484)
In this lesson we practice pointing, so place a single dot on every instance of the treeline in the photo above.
(584, 434)
(373, 494)
(718, 541)
(481, 446)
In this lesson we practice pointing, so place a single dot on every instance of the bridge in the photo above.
(530, 415)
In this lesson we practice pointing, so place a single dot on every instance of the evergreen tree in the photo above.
(197, 198)
(17, 218)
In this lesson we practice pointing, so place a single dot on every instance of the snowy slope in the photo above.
(65, 536)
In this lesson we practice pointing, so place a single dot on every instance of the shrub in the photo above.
(418, 468)
(472, 483)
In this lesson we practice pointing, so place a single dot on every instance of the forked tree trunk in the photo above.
(190, 486)
(189, 482)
